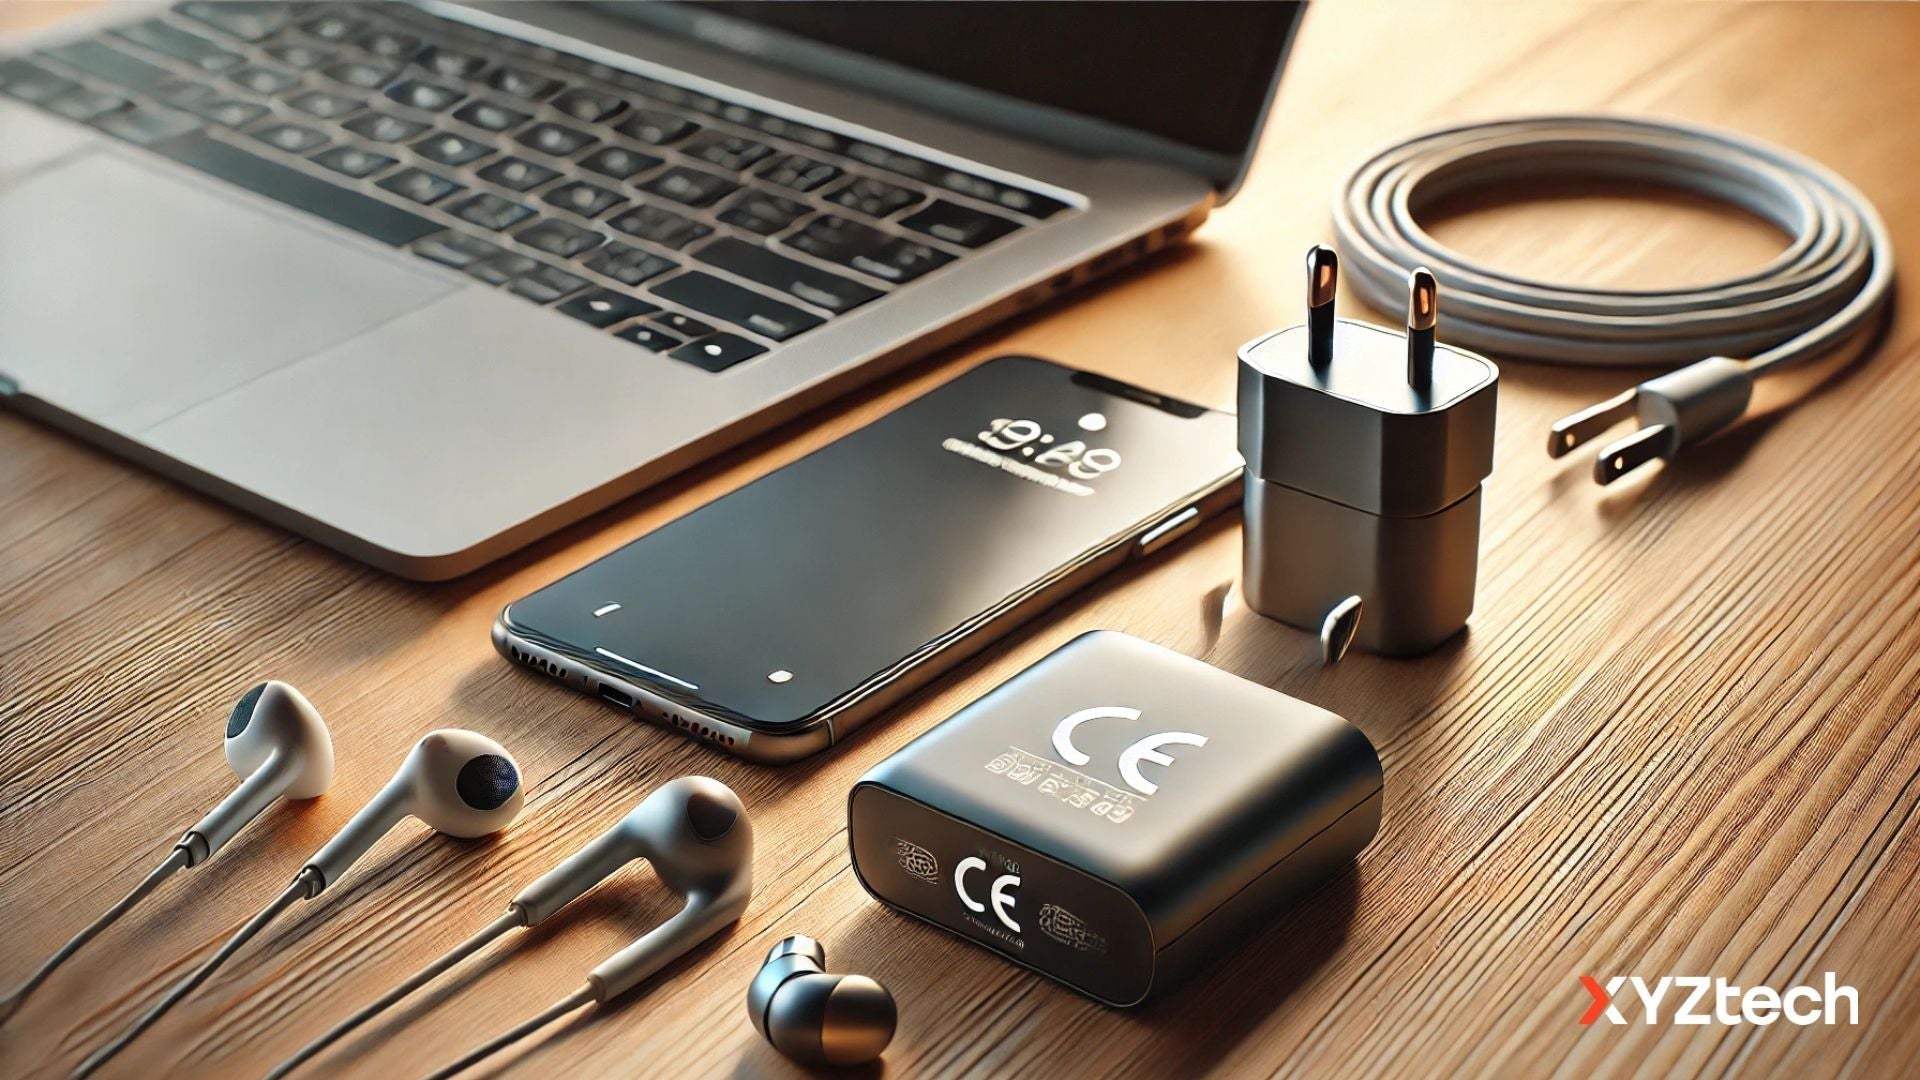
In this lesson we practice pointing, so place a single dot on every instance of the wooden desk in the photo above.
(1680, 738)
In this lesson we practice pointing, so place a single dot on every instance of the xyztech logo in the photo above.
(1703, 1000)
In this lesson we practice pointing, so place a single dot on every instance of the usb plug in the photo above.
(1674, 411)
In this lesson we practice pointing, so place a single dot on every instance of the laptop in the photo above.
(427, 281)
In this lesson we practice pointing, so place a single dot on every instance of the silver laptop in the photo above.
(427, 281)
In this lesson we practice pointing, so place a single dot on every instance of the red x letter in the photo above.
(1600, 1000)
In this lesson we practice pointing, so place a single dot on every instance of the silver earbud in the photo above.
(278, 743)
(458, 782)
(695, 834)
(814, 1017)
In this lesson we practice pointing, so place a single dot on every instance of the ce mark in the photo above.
(1000, 894)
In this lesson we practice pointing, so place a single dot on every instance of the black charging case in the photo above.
(1115, 814)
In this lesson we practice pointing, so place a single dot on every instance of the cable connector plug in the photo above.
(1674, 410)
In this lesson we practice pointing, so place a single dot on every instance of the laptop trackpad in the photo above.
(130, 292)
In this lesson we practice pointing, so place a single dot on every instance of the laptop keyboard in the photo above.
(675, 220)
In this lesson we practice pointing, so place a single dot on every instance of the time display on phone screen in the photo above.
(1032, 441)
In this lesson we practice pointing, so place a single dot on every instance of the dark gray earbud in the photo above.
(816, 1018)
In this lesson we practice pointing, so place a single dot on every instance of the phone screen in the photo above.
(771, 603)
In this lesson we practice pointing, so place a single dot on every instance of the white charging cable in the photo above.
(1830, 286)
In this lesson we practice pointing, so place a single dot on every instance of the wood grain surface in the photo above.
(1680, 736)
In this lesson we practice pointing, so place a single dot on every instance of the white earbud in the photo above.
(693, 832)
(277, 741)
(458, 782)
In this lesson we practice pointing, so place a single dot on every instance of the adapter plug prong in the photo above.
(1569, 432)
(1625, 455)
(1323, 278)
(1423, 315)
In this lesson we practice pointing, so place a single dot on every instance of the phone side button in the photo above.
(1168, 531)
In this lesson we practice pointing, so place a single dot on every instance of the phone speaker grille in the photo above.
(538, 663)
(696, 728)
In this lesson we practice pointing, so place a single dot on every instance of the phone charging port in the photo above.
(618, 697)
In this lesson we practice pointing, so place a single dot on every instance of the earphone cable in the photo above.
(180, 859)
(580, 998)
(1831, 286)
(514, 919)
(303, 887)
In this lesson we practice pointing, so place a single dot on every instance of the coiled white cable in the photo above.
(1832, 283)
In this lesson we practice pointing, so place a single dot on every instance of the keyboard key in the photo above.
(685, 325)
(170, 40)
(145, 127)
(629, 265)
(523, 84)
(449, 149)
(763, 212)
(790, 276)
(425, 96)
(491, 117)
(730, 152)
(247, 21)
(457, 250)
(588, 106)
(384, 127)
(451, 64)
(333, 26)
(656, 128)
(876, 198)
(229, 112)
(618, 162)
(364, 214)
(293, 138)
(559, 238)
(583, 198)
(1015, 199)
(894, 160)
(663, 227)
(651, 338)
(806, 135)
(325, 105)
(545, 284)
(492, 212)
(799, 172)
(730, 303)
(83, 104)
(31, 83)
(103, 61)
(517, 174)
(549, 138)
(691, 186)
(297, 54)
(502, 268)
(353, 161)
(603, 308)
(185, 93)
(958, 224)
(362, 74)
(719, 352)
(866, 249)
(264, 80)
(421, 186)
(392, 44)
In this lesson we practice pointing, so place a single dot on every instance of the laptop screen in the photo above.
(1187, 81)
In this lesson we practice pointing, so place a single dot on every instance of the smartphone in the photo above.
(777, 619)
